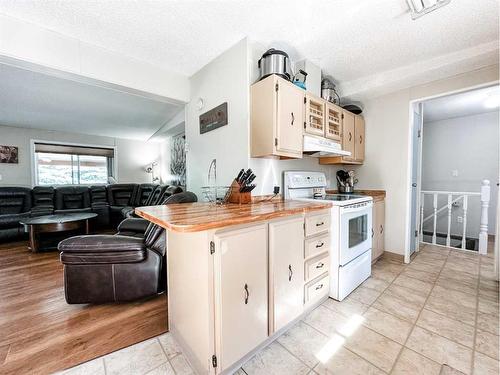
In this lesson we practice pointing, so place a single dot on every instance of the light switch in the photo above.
(454, 172)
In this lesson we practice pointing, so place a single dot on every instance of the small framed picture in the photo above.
(9, 154)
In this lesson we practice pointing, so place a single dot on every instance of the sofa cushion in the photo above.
(12, 221)
(121, 194)
(72, 197)
(104, 257)
(14, 200)
(142, 194)
(101, 244)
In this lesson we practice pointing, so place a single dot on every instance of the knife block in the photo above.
(236, 197)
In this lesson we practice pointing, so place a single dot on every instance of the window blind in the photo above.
(74, 150)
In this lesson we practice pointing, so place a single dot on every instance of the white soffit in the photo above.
(463, 104)
(36, 100)
(357, 42)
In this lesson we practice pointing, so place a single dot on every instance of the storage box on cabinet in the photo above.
(315, 117)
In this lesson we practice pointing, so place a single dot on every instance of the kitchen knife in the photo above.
(240, 174)
(250, 179)
(245, 176)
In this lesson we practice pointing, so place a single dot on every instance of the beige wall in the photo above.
(387, 152)
(131, 156)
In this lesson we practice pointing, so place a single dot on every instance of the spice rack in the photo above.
(334, 122)
(315, 115)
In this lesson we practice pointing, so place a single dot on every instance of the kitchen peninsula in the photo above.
(239, 275)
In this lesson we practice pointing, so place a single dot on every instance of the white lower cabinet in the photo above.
(241, 292)
(286, 270)
(231, 289)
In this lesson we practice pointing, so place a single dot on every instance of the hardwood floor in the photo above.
(40, 333)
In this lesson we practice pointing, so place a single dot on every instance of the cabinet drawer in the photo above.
(317, 289)
(317, 245)
(316, 266)
(316, 224)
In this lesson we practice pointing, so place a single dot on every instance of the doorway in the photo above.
(454, 164)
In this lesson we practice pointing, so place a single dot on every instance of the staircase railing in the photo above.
(454, 197)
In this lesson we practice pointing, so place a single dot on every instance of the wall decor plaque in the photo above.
(9, 154)
(213, 119)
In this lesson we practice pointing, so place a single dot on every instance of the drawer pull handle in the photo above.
(247, 294)
(319, 287)
(319, 245)
(320, 265)
(320, 224)
(373, 232)
(290, 272)
(381, 229)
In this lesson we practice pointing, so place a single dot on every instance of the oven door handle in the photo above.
(346, 210)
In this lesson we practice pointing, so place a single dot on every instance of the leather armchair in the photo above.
(119, 268)
(120, 196)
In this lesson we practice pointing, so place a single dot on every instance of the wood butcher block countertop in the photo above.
(195, 217)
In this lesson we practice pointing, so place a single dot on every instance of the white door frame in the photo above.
(409, 165)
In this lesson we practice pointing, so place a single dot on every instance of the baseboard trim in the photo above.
(393, 257)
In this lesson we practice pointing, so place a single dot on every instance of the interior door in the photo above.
(290, 117)
(415, 176)
(241, 292)
(286, 247)
(359, 132)
(348, 134)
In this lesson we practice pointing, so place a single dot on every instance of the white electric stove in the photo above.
(351, 229)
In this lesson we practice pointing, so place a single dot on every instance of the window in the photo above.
(65, 165)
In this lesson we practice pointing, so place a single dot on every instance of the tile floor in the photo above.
(437, 315)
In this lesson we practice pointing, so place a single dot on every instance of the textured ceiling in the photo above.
(36, 100)
(463, 104)
(348, 39)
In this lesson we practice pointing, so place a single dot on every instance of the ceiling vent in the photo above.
(418, 8)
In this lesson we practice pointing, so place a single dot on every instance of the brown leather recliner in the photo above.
(116, 268)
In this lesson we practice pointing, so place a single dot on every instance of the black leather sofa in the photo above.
(15, 205)
(112, 203)
(117, 268)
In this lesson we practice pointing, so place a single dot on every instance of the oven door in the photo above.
(355, 232)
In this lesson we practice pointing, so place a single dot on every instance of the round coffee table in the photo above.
(55, 223)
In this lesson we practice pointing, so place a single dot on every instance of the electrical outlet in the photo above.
(460, 219)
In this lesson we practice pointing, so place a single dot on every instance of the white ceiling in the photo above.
(35, 100)
(463, 104)
(349, 39)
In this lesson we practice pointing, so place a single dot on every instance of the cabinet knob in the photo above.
(360, 139)
(293, 118)
(290, 272)
(320, 224)
(320, 265)
(381, 229)
(319, 287)
(247, 294)
(350, 137)
(319, 245)
(373, 232)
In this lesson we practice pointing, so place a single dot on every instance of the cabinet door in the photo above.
(290, 118)
(348, 134)
(314, 122)
(359, 133)
(286, 247)
(377, 229)
(241, 292)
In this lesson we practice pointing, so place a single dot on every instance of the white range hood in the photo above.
(319, 146)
